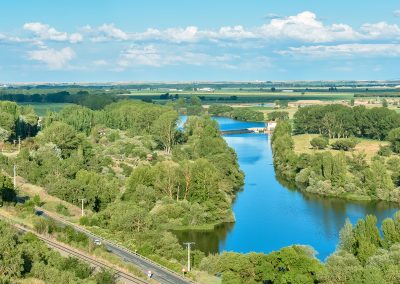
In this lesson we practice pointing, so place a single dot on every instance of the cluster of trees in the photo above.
(93, 100)
(188, 106)
(131, 158)
(335, 174)
(363, 256)
(26, 258)
(344, 144)
(16, 121)
(339, 121)
(242, 114)
(278, 115)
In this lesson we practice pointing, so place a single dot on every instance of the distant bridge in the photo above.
(245, 130)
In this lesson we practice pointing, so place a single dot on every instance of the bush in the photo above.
(344, 144)
(319, 143)
(60, 208)
(384, 151)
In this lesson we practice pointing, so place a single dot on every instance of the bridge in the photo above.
(245, 130)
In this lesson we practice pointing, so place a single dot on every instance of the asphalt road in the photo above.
(159, 273)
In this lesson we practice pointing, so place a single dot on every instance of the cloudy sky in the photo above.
(202, 40)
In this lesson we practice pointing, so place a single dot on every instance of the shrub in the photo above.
(344, 144)
(60, 208)
(319, 143)
(385, 151)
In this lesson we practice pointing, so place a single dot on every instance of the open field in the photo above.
(42, 108)
(369, 147)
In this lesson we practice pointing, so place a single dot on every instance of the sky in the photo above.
(198, 40)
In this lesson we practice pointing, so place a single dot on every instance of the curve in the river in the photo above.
(270, 216)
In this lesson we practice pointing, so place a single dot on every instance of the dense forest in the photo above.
(327, 173)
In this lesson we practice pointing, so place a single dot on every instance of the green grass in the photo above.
(367, 146)
(42, 108)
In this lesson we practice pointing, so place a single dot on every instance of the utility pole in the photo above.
(19, 143)
(15, 177)
(83, 213)
(189, 244)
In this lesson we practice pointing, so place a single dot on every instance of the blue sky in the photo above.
(193, 40)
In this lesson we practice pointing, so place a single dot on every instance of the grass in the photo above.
(367, 146)
(50, 202)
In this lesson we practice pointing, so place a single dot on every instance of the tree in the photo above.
(385, 103)
(319, 143)
(11, 261)
(164, 129)
(352, 102)
(7, 192)
(347, 237)
(62, 135)
(394, 138)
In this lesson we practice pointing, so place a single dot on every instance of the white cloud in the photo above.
(306, 27)
(396, 13)
(109, 31)
(100, 62)
(153, 56)
(55, 59)
(303, 27)
(136, 55)
(45, 32)
(345, 50)
(381, 30)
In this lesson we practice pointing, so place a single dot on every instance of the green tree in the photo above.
(165, 129)
(7, 192)
(394, 138)
(62, 135)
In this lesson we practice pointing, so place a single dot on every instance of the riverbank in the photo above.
(267, 212)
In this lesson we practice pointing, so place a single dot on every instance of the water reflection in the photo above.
(271, 214)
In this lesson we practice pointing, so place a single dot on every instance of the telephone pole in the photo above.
(83, 213)
(189, 244)
(19, 143)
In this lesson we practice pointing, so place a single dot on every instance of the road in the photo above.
(160, 273)
(120, 275)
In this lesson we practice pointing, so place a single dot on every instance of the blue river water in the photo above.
(270, 216)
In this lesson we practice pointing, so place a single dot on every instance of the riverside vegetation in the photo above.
(141, 177)
(336, 174)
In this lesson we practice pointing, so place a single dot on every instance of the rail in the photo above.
(87, 232)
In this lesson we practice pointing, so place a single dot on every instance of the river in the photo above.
(270, 216)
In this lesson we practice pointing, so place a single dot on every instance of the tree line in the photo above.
(339, 121)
